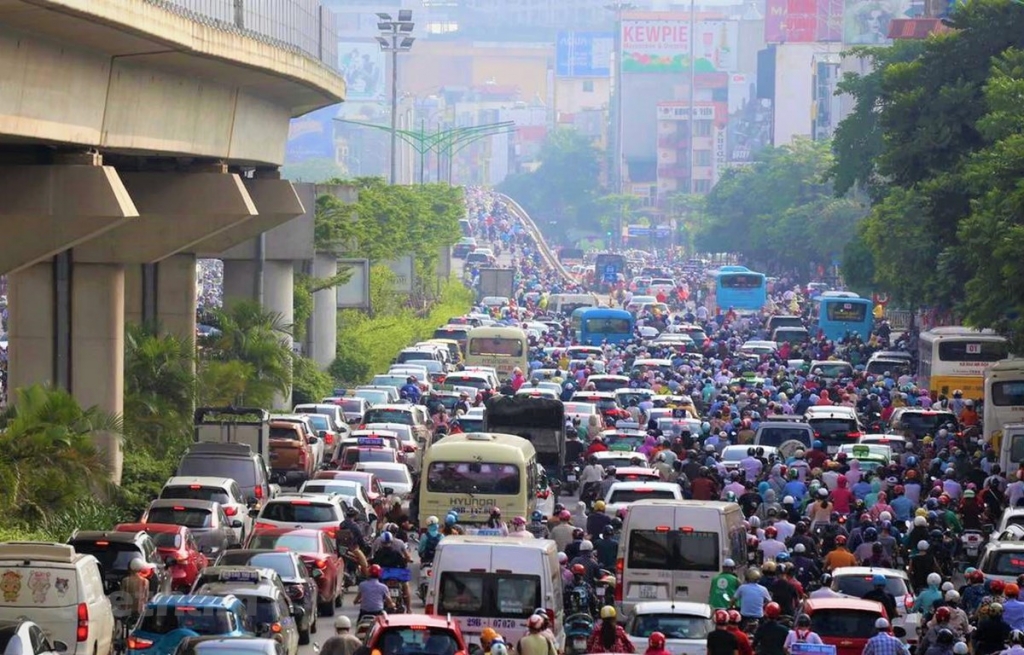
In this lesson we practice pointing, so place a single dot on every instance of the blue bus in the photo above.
(840, 312)
(741, 289)
(601, 324)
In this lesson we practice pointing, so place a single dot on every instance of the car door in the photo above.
(197, 560)
(284, 608)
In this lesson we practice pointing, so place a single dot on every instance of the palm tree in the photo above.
(159, 386)
(252, 335)
(49, 456)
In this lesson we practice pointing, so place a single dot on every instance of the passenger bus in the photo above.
(607, 269)
(567, 303)
(504, 348)
(740, 289)
(600, 324)
(842, 312)
(1004, 397)
(955, 357)
(473, 472)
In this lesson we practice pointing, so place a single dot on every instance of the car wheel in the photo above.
(304, 637)
(327, 609)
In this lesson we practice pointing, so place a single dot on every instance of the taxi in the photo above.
(624, 439)
(170, 618)
(270, 611)
(870, 456)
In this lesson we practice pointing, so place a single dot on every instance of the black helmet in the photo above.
(945, 636)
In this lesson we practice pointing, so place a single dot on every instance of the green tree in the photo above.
(159, 387)
(50, 459)
(313, 170)
(250, 343)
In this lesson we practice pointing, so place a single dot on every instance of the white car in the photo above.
(351, 493)
(855, 581)
(392, 476)
(301, 510)
(219, 490)
(685, 625)
(624, 494)
(732, 455)
(24, 637)
(896, 442)
(538, 392)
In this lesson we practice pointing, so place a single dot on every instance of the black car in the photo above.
(300, 585)
(115, 550)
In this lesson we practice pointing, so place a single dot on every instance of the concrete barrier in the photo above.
(535, 233)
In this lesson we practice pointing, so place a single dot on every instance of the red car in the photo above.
(846, 623)
(177, 546)
(318, 553)
(420, 632)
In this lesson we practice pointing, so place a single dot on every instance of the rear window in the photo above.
(456, 335)
(879, 366)
(399, 475)
(351, 405)
(300, 543)
(836, 370)
(832, 427)
(214, 494)
(112, 556)
(356, 455)
(284, 433)
(24, 596)
(300, 512)
(477, 478)
(858, 585)
(673, 550)
(775, 437)
(632, 495)
(475, 383)
(608, 385)
(925, 422)
(281, 563)
(1005, 563)
(972, 351)
(844, 623)
(673, 626)
(201, 620)
(166, 539)
(242, 471)
(784, 321)
(489, 594)
(388, 416)
(319, 421)
(417, 639)
(190, 517)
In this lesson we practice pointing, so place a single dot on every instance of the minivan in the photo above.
(671, 549)
(230, 460)
(497, 581)
(834, 425)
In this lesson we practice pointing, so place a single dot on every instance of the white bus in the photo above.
(565, 303)
(956, 357)
(503, 348)
(1004, 397)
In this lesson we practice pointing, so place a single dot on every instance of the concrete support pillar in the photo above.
(240, 280)
(278, 297)
(133, 294)
(176, 295)
(97, 348)
(32, 324)
(323, 325)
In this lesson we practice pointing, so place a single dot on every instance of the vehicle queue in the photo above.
(724, 480)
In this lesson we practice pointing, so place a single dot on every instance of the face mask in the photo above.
(432, 530)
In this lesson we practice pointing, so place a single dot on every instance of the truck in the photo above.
(497, 282)
(541, 421)
(607, 269)
(248, 425)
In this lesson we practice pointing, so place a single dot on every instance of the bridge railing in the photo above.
(534, 232)
(303, 26)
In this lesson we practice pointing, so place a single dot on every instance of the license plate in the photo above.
(648, 591)
(579, 645)
(395, 592)
(571, 478)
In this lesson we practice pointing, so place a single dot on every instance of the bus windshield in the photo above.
(972, 351)
(474, 478)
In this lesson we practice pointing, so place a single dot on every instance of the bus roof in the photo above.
(959, 332)
(843, 295)
(510, 447)
(606, 312)
(504, 332)
(734, 269)
(1010, 365)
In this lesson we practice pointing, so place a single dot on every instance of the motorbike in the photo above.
(394, 579)
(590, 492)
(604, 588)
(570, 479)
(577, 631)
(971, 543)
(363, 627)
(426, 570)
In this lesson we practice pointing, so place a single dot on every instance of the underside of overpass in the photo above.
(134, 135)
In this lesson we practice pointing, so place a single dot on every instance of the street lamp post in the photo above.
(618, 7)
(394, 38)
(693, 82)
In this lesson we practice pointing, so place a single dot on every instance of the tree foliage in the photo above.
(937, 140)
(780, 212)
(159, 387)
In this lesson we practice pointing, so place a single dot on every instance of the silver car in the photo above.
(213, 530)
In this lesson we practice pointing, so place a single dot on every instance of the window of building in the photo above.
(702, 157)
(702, 128)
(588, 86)
(701, 186)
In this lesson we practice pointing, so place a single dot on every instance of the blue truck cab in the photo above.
(170, 618)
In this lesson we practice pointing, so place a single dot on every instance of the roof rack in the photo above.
(37, 550)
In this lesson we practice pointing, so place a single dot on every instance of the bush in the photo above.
(86, 514)
(143, 477)
(309, 383)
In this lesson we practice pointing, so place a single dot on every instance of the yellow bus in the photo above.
(955, 357)
(1004, 398)
(503, 348)
(473, 472)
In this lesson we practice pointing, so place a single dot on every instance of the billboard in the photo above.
(663, 46)
(867, 22)
(584, 54)
(803, 21)
(362, 64)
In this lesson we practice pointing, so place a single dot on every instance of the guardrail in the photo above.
(302, 26)
(534, 232)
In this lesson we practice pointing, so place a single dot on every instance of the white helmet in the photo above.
(728, 564)
(881, 623)
(586, 546)
(960, 648)
(137, 565)
(921, 547)
(952, 596)
(885, 516)
(342, 623)
(432, 520)
(799, 548)
(920, 522)
(755, 522)
(947, 586)
(934, 579)
(788, 500)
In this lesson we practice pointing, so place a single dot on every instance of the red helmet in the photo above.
(771, 532)
(773, 610)
(735, 617)
(976, 576)
(997, 586)
(721, 617)
(943, 614)
(656, 641)
(579, 569)
(375, 570)
(841, 540)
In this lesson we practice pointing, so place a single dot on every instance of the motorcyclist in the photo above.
(590, 479)
(538, 525)
(429, 541)
(373, 596)
(721, 641)
(411, 390)
(587, 559)
(879, 593)
(751, 597)
(579, 596)
(771, 634)
(607, 547)
(735, 619)
(724, 586)
(656, 645)
(598, 519)
(391, 553)
(608, 636)
(350, 532)
(801, 634)
(343, 642)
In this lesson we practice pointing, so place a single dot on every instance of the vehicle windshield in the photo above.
(190, 517)
(834, 370)
(673, 550)
(1010, 563)
(350, 405)
(832, 427)
(673, 626)
(281, 563)
(926, 422)
(112, 556)
(399, 475)
(388, 416)
(300, 543)
(371, 395)
(165, 539)
(478, 478)
(215, 494)
(858, 624)
(240, 470)
(416, 640)
(201, 620)
(620, 496)
(858, 585)
(775, 437)
(300, 512)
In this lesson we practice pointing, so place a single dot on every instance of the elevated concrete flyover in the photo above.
(135, 134)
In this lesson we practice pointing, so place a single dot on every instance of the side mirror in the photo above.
(298, 612)
(254, 512)
(60, 647)
(322, 434)
(316, 573)
(170, 561)
(312, 441)
(389, 491)
(237, 523)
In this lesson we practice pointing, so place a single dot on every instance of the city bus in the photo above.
(955, 357)
(740, 289)
(1004, 397)
(599, 325)
(504, 348)
(842, 312)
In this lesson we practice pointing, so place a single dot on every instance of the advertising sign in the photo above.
(354, 294)
(663, 46)
(403, 270)
(866, 22)
(362, 64)
(584, 54)
(803, 21)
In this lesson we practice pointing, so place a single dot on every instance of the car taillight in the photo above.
(264, 526)
(275, 627)
(619, 565)
(853, 435)
(908, 601)
(551, 619)
(320, 563)
(329, 438)
(138, 643)
(230, 511)
(82, 633)
(303, 457)
(362, 426)
(332, 532)
(409, 448)
(259, 492)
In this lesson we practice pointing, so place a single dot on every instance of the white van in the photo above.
(496, 582)
(59, 589)
(671, 549)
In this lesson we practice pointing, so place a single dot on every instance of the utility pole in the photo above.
(394, 38)
(618, 7)
(693, 94)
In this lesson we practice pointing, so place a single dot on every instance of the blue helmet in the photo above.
(782, 557)
(386, 537)
(451, 519)
(878, 580)
(817, 444)
(537, 516)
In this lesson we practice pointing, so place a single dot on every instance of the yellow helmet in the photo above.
(599, 506)
(921, 512)
(608, 612)
(488, 635)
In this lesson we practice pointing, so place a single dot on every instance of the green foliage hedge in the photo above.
(309, 383)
